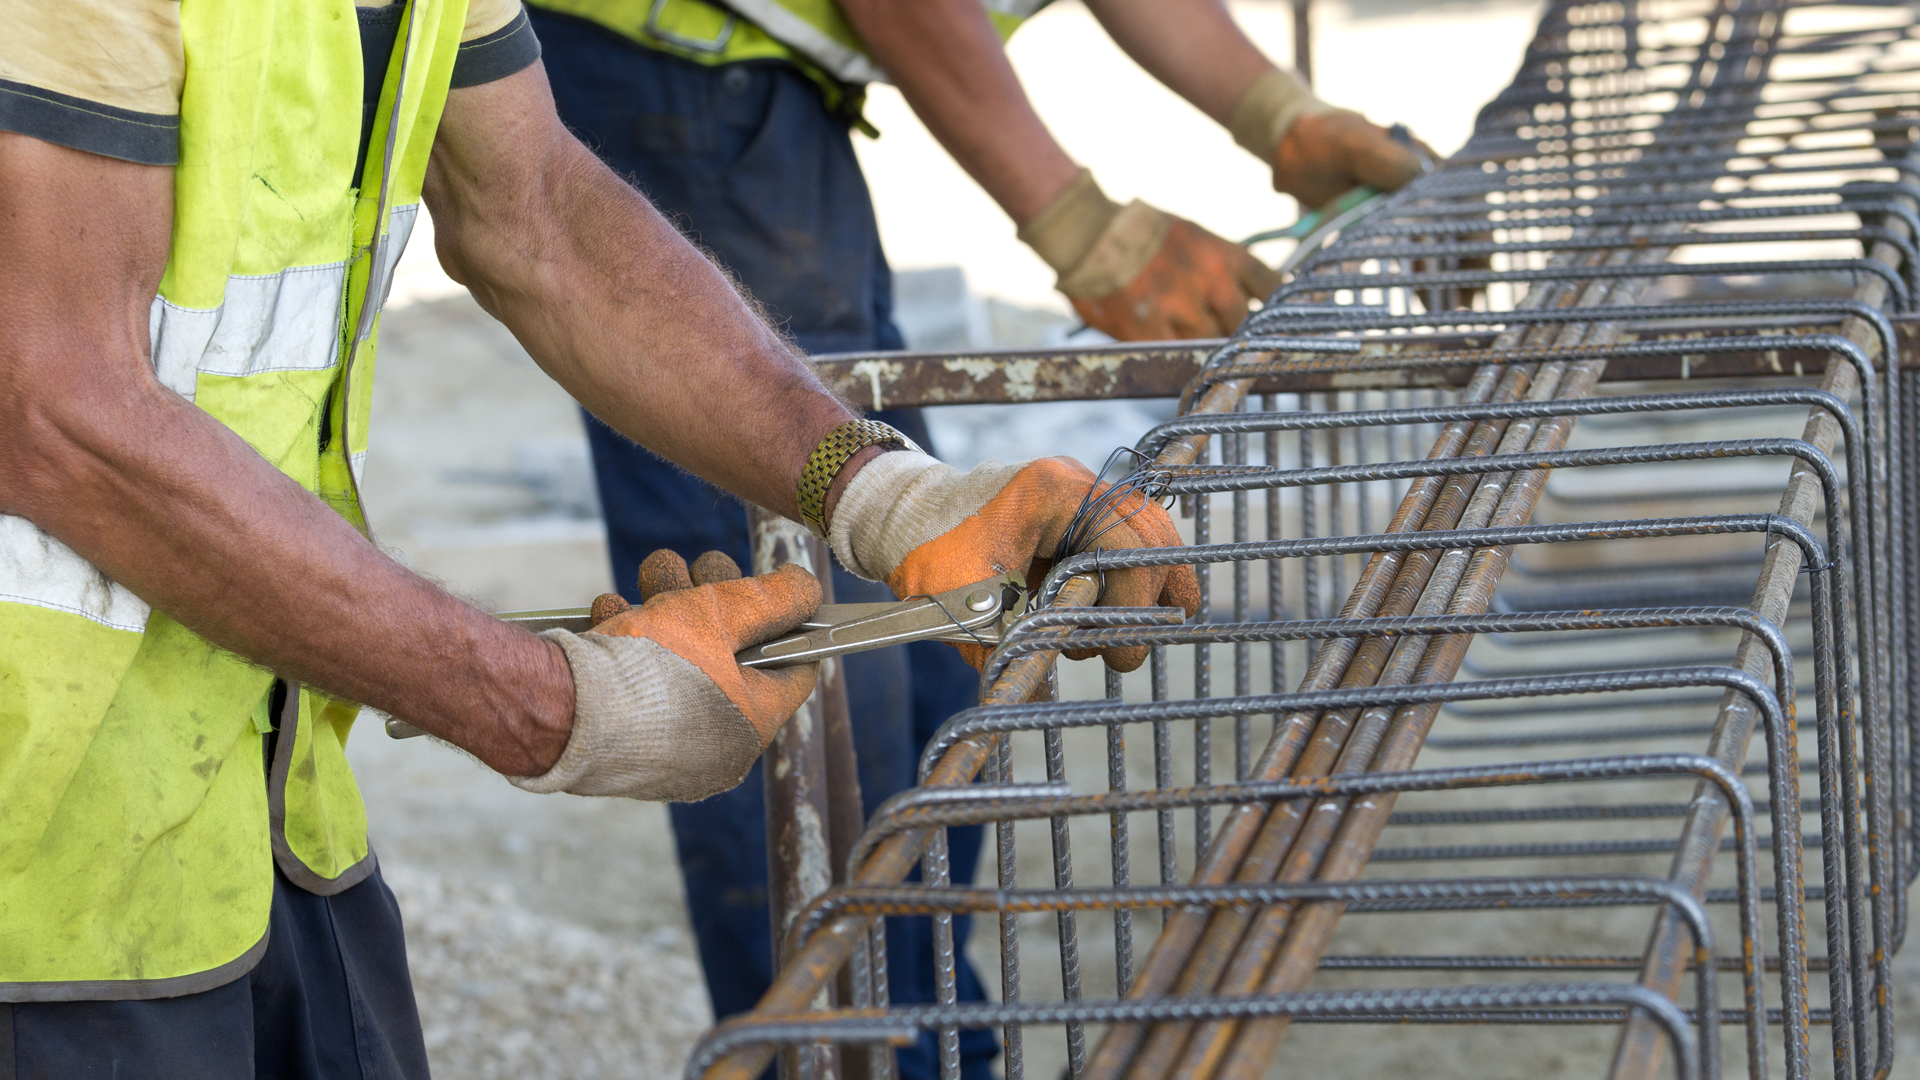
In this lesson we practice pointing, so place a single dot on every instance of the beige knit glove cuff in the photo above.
(1268, 109)
(902, 500)
(647, 724)
(1096, 245)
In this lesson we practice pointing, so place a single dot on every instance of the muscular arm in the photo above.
(949, 64)
(171, 504)
(613, 303)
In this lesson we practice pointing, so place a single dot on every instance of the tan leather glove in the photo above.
(1141, 274)
(661, 711)
(1317, 152)
(924, 527)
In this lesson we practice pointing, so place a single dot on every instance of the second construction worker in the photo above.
(735, 120)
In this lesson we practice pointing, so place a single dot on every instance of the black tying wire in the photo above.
(1089, 522)
(961, 626)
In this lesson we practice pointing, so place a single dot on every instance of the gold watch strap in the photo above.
(831, 456)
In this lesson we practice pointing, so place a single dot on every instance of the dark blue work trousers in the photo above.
(330, 999)
(747, 161)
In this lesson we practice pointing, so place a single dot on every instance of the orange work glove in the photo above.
(924, 527)
(1325, 156)
(1141, 274)
(661, 711)
(1317, 152)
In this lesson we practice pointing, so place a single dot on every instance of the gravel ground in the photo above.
(506, 992)
(547, 934)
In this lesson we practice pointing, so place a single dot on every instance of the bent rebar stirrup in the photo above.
(1546, 489)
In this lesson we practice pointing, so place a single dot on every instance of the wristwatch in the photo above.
(831, 456)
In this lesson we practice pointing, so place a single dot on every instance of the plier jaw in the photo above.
(973, 614)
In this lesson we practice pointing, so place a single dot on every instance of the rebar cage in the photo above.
(1555, 524)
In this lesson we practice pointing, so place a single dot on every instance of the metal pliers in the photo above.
(969, 615)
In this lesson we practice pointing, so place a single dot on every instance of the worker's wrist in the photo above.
(883, 514)
(1268, 109)
(1096, 245)
(847, 473)
(538, 729)
(1068, 227)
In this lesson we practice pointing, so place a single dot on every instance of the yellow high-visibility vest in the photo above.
(139, 833)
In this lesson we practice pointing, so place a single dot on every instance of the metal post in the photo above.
(803, 819)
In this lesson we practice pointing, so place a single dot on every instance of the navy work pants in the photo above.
(747, 161)
(329, 1000)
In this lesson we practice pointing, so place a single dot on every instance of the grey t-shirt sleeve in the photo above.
(498, 54)
(144, 138)
(102, 76)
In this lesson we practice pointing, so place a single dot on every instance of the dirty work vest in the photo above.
(725, 31)
(138, 835)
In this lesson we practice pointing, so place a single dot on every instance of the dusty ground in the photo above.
(547, 935)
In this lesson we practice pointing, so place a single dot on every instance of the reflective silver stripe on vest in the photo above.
(39, 570)
(288, 321)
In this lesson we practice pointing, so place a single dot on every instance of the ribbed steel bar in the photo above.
(1557, 223)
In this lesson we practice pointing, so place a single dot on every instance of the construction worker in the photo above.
(196, 258)
(734, 118)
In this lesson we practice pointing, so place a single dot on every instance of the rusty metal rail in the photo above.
(1538, 517)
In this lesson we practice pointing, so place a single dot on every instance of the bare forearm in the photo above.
(614, 303)
(211, 534)
(235, 551)
(948, 62)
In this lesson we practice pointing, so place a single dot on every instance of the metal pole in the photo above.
(802, 823)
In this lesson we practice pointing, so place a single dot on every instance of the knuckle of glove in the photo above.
(713, 568)
(762, 607)
(663, 572)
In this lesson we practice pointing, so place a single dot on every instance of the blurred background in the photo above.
(547, 933)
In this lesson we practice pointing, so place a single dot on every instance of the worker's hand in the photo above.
(1317, 152)
(1196, 285)
(1141, 274)
(661, 710)
(924, 528)
(1325, 155)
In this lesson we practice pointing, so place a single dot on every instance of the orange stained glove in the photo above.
(1140, 274)
(924, 527)
(661, 710)
(1325, 156)
(1317, 152)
